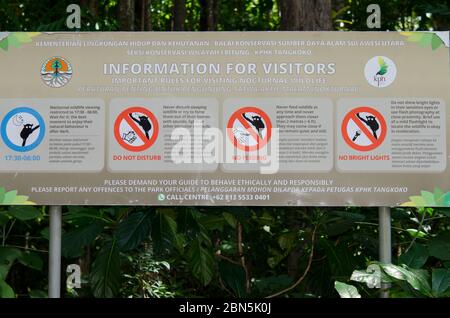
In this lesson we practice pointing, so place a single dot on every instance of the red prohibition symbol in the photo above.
(136, 129)
(364, 128)
(249, 128)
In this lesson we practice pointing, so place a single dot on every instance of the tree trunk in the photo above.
(305, 15)
(143, 14)
(126, 15)
(179, 15)
(208, 15)
(148, 16)
(93, 8)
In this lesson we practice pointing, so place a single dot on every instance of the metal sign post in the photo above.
(384, 216)
(54, 267)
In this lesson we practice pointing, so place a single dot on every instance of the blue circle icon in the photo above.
(22, 129)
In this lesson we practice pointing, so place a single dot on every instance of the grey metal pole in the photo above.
(384, 216)
(54, 258)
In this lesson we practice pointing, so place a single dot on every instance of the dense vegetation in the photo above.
(225, 251)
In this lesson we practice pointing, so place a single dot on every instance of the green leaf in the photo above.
(428, 197)
(6, 291)
(9, 197)
(346, 291)
(37, 293)
(164, 232)
(105, 275)
(31, 260)
(213, 222)
(446, 199)
(133, 230)
(276, 257)
(418, 201)
(45, 233)
(234, 277)
(7, 257)
(440, 281)
(416, 278)
(439, 247)
(22, 37)
(74, 240)
(231, 220)
(436, 42)
(24, 213)
(416, 256)
(371, 277)
(2, 190)
(3, 218)
(438, 196)
(444, 211)
(426, 39)
(415, 37)
(4, 46)
(416, 233)
(287, 241)
(201, 261)
(13, 40)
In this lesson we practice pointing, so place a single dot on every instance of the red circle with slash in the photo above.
(237, 116)
(363, 129)
(125, 116)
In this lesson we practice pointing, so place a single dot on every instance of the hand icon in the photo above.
(129, 137)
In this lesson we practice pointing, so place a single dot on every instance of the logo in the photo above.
(380, 71)
(56, 72)
(23, 129)
(249, 128)
(364, 128)
(136, 129)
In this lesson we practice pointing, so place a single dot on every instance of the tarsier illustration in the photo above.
(256, 122)
(27, 130)
(372, 122)
(144, 123)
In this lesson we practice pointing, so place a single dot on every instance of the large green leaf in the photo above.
(16, 39)
(426, 39)
(11, 198)
(2, 192)
(440, 281)
(24, 213)
(439, 247)
(213, 222)
(133, 230)
(371, 277)
(231, 220)
(7, 257)
(346, 291)
(73, 241)
(105, 275)
(234, 277)
(81, 215)
(417, 279)
(446, 199)
(436, 42)
(416, 256)
(428, 197)
(31, 260)
(37, 293)
(3, 217)
(201, 261)
(164, 233)
(5, 290)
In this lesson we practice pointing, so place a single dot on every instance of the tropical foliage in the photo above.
(225, 251)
